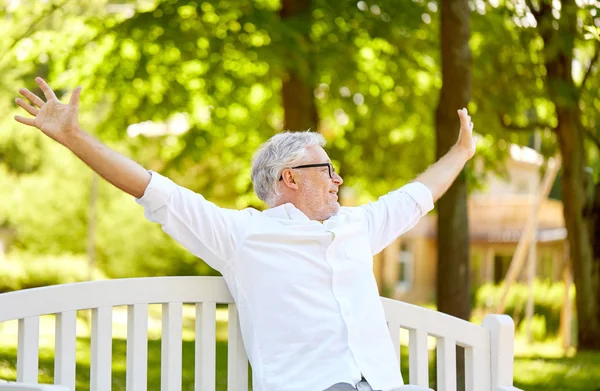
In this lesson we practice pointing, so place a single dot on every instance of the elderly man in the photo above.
(300, 271)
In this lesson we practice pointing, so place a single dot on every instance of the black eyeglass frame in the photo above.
(328, 165)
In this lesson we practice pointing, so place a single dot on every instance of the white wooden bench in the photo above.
(488, 348)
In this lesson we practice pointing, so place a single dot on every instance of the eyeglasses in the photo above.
(328, 165)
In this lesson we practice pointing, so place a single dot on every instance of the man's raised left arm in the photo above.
(442, 173)
(398, 211)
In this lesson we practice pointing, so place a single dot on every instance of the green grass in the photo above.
(578, 373)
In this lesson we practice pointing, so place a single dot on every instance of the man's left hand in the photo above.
(466, 142)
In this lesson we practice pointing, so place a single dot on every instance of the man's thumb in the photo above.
(75, 97)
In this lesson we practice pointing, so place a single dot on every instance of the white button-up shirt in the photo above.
(309, 308)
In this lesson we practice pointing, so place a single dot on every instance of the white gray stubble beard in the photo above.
(324, 210)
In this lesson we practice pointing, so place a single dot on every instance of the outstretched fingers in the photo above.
(45, 88)
(26, 121)
(33, 98)
(465, 119)
(75, 98)
(27, 107)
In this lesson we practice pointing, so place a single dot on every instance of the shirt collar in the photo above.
(290, 212)
(286, 211)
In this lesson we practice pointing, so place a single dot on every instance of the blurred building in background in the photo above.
(406, 270)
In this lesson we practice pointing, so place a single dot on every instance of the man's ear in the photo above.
(289, 180)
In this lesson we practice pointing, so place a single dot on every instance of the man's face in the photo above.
(317, 191)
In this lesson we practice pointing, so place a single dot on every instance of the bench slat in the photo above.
(65, 350)
(171, 353)
(394, 329)
(418, 358)
(446, 364)
(101, 349)
(28, 350)
(237, 365)
(137, 347)
(477, 374)
(205, 364)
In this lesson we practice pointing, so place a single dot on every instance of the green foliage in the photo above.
(32, 37)
(548, 302)
(510, 72)
(23, 271)
(221, 64)
(537, 327)
(49, 211)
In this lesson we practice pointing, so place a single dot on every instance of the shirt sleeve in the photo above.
(395, 213)
(206, 230)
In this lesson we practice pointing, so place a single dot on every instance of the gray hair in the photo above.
(284, 150)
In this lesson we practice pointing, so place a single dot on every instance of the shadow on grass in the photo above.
(578, 373)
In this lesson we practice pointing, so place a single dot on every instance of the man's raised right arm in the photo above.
(59, 122)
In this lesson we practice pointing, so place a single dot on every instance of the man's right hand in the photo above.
(59, 122)
(54, 119)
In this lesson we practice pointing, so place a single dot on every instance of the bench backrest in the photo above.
(488, 349)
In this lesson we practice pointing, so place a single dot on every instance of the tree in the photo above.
(559, 47)
(453, 228)
(540, 43)
(453, 275)
(298, 101)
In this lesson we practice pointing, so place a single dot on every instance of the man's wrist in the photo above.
(71, 138)
(461, 152)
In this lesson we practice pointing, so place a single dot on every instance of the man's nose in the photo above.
(337, 178)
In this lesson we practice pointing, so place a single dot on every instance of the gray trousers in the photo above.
(364, 386)
(361, 386)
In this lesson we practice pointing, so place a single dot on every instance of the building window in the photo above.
(501, 265)
(405, 268)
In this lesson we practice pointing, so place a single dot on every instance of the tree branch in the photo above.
(588, 71)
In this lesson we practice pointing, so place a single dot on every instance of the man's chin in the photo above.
(333, 210)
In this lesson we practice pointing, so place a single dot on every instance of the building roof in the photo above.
(524, 154)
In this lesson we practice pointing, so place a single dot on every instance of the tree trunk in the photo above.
(453, 227)
(594, 225)
(586, 275)
(300, 112)
(558, 51)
